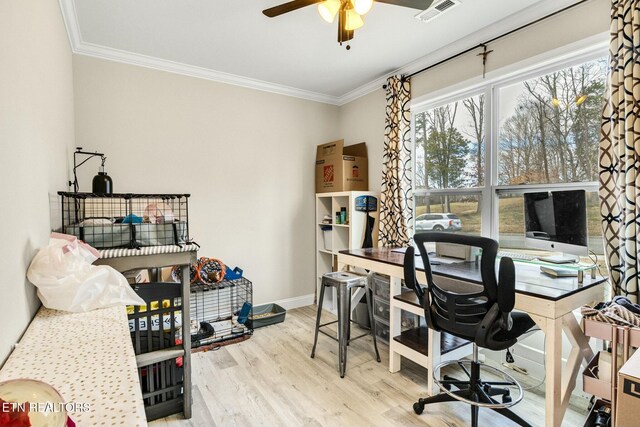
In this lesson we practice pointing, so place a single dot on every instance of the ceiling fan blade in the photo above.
(288, 7)
(413, 4)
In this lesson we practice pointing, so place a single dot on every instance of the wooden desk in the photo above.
(550, 303)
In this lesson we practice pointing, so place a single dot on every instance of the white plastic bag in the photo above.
(66, 280)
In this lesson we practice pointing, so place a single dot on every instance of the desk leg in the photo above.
(433, 342)
(394, 325)
(580, 354)
(553, 359)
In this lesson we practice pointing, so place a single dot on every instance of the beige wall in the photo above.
(364, 117)
(36, 138)
(363, 120)
(245, 156)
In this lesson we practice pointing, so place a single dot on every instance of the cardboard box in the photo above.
(165, 274)
(340, 168)
(628, 395)
(137, 276)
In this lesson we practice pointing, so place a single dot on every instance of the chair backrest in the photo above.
(474, 310)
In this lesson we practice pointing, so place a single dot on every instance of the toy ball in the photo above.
(176, 273)
(211, 270)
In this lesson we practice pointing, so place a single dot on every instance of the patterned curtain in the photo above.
(396, 200)
(620, 151)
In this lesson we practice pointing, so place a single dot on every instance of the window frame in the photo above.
(490, 191)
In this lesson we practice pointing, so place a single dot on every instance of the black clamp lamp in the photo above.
(102, 183)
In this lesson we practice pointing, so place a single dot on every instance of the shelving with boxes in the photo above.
(600, 377)
(333, 236)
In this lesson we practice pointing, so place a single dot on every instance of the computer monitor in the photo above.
(556, 221)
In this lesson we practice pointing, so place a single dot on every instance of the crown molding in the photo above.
(514, 21)
(70, 18)
(137, 59)
(363, 90)
(80, 47)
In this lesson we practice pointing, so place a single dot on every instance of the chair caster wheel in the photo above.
(447, 386)
(418, 408)
(506, 399)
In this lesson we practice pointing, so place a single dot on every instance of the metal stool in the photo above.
(344, 282)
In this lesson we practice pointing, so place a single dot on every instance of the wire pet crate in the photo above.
(225, 306)
(126, 220)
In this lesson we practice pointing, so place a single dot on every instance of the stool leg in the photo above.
(349, 294)
(371, 322)
(315, 338)
(343, 327)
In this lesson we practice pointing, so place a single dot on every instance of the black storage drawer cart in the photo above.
(155, 329)
(166, 386)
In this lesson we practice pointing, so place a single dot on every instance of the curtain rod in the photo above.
(493, 39)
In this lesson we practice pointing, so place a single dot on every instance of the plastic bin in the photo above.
(361, 313)
(381, 307)
(265, 315)
(327, 234)
(381, 286)
(409, 321)
(382, 330)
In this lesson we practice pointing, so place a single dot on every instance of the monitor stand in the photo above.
(560, 259)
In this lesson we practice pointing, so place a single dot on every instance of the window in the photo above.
(449, 160)
(449, 145)
(549, 126)
(546, 135)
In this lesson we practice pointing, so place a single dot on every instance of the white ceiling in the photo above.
(296, 53)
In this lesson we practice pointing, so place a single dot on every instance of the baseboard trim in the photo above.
(295, 302)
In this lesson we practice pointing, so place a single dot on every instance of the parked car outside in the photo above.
(438, 222)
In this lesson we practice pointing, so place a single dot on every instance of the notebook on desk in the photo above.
(558, 272)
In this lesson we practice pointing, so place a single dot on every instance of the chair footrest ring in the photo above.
(500, 379)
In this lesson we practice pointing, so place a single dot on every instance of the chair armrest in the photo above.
(411, 282)
(506, 285)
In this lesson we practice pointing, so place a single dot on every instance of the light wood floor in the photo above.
(270, 380)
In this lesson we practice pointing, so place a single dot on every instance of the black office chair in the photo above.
(480, 312)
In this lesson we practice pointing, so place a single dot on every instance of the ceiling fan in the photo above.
(349, 12)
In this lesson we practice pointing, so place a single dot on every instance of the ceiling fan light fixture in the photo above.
(328, 9)
(353, 21)
(362, 6)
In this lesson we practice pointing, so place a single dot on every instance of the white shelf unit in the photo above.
(340, 236)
